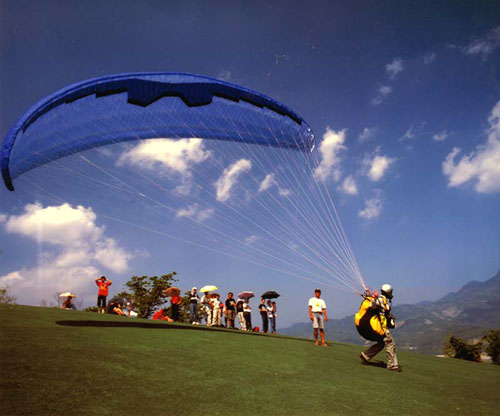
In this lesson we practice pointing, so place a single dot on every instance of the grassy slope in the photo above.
(50, 366)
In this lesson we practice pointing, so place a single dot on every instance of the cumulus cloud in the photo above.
(73, 249)
(376, 166)
(176, 156)
(194, 211)
(349, 186)
(329, 149)
(393, 68)
(373, 206)
(481, 166)
(269, 182)
(484, 46)
(441, 136)
(429, 58)
(3, 218)
(367, 134)
(383, 92)
(229, 177)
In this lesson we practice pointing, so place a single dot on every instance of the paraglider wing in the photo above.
(127, 107)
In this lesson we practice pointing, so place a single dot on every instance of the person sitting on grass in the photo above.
(114, 308)
(68, 304)
(161, 315)
(317, 309)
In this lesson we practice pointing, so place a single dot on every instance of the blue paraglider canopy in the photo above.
(135, 106)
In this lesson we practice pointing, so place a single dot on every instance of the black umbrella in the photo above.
(271, 294)
(116, 299)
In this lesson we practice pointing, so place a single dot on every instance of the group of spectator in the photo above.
(213, 310)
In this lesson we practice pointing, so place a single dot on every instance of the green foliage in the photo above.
(147, 292)
(458, 348)
(5, 297)
(493, 347)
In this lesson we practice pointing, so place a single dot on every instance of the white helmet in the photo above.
(387, 290)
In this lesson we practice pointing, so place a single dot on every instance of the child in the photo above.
(129, 306)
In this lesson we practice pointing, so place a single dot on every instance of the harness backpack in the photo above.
(370, 322)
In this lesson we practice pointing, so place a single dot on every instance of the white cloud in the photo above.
(393, 68)
(172, 155)
(267, 183)
(367, 134)
(72, 249)
(373, 206)
(441, 136)
(409, 134)
(3, 218)
(376, 166)
(484, 46)
(383, 92)
(349, 186)
(329, 149)
(270, 181)
(252, 239)
(194, 211)
(229, 178)
(481, 166)
(429, 58)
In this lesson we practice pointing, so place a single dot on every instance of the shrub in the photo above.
(458, 348)
(493, 347)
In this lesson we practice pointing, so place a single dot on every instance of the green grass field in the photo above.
(56, 362)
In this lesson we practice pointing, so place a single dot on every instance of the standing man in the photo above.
(317, 309)
(194, 299)
(102, 294)
(382, 305)
(207, 309)
(263, 315)
(230, 310)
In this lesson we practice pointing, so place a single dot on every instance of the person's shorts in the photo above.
(230, 315)
(318, 320)
(101, 301)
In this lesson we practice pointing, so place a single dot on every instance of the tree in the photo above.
(458, 348)
(493, 347)
(5, 297)
(147, 292)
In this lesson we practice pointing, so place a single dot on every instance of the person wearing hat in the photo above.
(194, 299)
(317, 310)
(382, 303)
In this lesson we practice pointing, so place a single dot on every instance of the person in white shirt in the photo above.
(207, 308)
(247, 313)
(217, 310)
(317, 310)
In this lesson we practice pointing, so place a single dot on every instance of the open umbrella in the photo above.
(270, 294)
(172, 291)
(116, 299)
(208, 288)
(246, 295)
(66, 294)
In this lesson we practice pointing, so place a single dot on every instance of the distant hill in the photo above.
(468, 313)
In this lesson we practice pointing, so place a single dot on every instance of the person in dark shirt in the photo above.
(68, 304)
(241, 316)
(194, 299)
(230, 310)
(263, 315)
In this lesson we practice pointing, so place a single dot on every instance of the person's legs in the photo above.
(241, 320)
(390, 348)
(192, 311)
(265, 323)
(373, 350)
(273, 324)
(322, 334)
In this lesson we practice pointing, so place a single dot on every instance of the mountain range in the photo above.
(423, 327)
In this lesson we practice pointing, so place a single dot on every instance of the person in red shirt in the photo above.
(102, 294)
(176, 301)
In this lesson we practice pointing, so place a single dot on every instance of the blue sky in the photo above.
(398, 88)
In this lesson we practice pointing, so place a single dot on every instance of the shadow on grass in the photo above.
(154, 325)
